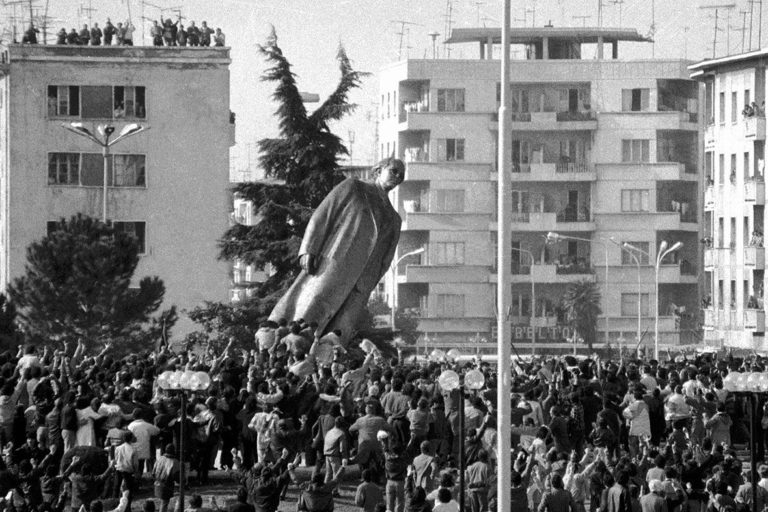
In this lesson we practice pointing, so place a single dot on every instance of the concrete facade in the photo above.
(182, 198)
(602, 149)
(734, 203)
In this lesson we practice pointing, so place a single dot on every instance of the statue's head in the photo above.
(389, 173)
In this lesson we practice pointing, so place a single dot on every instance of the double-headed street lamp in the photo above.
(533, 298)
(555, 237)
(394, 282)
(182, 382)
(473, 380)
(105, 131)
(663, 251)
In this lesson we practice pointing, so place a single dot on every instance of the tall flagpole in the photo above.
(504, 286)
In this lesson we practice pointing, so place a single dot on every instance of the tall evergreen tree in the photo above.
(582, 305)
(303, 163)
(77, 285)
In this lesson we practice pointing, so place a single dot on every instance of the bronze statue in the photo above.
(347, 247)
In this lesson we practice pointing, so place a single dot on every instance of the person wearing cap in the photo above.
(166, 472)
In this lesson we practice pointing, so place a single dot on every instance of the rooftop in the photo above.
(529, 35)
(130, 54)
(741, 59)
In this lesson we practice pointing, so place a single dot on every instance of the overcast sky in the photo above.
(309, 32)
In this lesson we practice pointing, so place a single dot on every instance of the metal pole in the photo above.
(394, 299)
(533, 311)
(461, 444)
(656, 328)
(182, 462)
(753, 440)
(639, 299)
(607, 330)
(504, 287)
(105, 152)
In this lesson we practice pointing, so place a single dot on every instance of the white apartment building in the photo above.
(168, 185)
(734, 204)
(604, 150)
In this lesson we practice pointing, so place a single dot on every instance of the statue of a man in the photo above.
(347, 247)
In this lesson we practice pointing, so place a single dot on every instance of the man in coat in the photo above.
(348, 245)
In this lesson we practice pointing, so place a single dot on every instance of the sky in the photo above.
(310, 31)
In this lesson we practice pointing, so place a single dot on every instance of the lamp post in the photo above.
(554, 237)
(181, 382)
(660, 255)
(533, 298)
(752, 386)
(639, 294)
(394, 282)
(473, 380)
(105, 131)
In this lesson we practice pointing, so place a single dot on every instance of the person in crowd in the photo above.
(219, 39)
(96, 35)
(156, 32)
(85, 35)
(205, 34)
(109, 32)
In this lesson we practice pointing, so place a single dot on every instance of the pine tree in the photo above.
(77, 285)
(582, 304)
(303, 163)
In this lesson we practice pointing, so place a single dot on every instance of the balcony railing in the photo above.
(520, 217)
(519, 168)
(574, 215)
(524, 117)
(571, 167)
(586, 115)
(575, 268)
(687, 268)
(416, 154)
(518, 269)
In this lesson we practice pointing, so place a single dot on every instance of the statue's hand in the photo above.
(308, 263)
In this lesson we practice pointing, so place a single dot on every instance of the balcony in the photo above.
(714, 257)
(565, 171)
(551, 273)
(642, 171)
(710, 318)
(676, 221)
(709, 198)
(754, 320)
(552, 121)
(446, 171)
(754, 257)
(678, 274)
(754, 127)
(424, 221)
(754, 191)
(445, 274)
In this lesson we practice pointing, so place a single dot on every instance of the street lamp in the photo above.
(660, 255)
(181, 382)
(394, 282)
(533, 298)
(752, 386)
(555, 237)
(639, 293)
(473, 380)
(105, 131)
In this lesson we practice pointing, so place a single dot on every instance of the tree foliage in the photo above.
(582, 305)
(302, 163)
(10, 336)
(77, 285)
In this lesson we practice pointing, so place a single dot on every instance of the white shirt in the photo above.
(143, 431)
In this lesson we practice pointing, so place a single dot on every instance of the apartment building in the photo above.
(167, 185)
(605, 151)
(734, 200)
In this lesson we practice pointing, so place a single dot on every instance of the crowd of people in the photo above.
(86, 431)
(163, 33)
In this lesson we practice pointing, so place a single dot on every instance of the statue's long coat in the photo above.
(353, 235)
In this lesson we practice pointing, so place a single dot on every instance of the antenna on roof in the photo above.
(434, 35)
(583, 19)
(743, 28)
(87, 12)
(717, 8)
(477, 7)
(402, 33)
(620, 3)
(448, 16)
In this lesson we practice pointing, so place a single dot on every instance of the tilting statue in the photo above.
(347, 247)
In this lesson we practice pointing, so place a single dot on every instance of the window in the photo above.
(746, 97)
(642, 257)
(721, 232)
(450, 100)
(449, 306)
(635, 150)
(734, 106)
(87, 170)
(447, 201)
(721, 161)
(635, 200)
(135, 229)
(635, 100)
(63, 100)
(97, 102)
(129, 171)
(450, 150)
(129, 101)
(733, 233)
(63, 168)
(448, 253)
(720, 298)
(746, 165)
(629, 304)
(722, 108)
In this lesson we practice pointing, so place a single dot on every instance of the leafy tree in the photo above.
(303, 164)
(221, 323)
(582, 305)
(77, 286)
(10, 337)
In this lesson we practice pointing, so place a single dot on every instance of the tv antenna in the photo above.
(477, 8)
(448, 17)
(87, 12)
(402, 34)
(583, 19)
(717, 8)
(620, 3)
